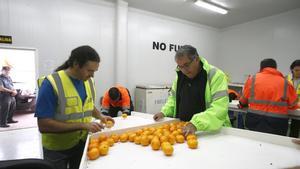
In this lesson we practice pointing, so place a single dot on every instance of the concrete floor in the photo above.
(20, 144)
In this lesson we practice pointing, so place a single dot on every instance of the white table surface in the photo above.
(229, 148)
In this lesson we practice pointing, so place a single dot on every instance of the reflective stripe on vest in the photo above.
(73, 116)
(268, 102)
(92, 89)
(267, 113)
(218, 94)
(62, 99)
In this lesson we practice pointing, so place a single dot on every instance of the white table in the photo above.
(228, 148)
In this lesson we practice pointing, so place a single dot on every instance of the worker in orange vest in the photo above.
(269, 96)
(233, 95)
(116, 99)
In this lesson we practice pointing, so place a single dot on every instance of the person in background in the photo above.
(294, 79)
(199, 94)
(7, 97)
(65, 107)
(269, 96)
(116, 99)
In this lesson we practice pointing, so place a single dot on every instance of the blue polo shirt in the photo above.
(47, 100)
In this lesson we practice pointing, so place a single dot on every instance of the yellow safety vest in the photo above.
(297, 87)
(69, 109)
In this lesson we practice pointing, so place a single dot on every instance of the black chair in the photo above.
(26, 164)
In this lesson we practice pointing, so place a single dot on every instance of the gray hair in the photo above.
(187, 50)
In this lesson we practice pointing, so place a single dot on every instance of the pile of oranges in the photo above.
(159, 138)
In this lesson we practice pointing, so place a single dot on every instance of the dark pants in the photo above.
(113, 111)
(266, 124)
(295, 127)
(67, 159)
(7, 109)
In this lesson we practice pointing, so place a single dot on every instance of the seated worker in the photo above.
(116, 99)
(269, 97)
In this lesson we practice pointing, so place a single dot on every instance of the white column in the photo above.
(121, 43)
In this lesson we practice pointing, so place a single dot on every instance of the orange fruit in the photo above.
(168, 149)
(155, 144)
(109, 124)
(179, 139)
(124, 115)
(144, 140)
(164, 144)
(150, 137)
(103, 149)
(102, 138)
(191, 136)
(131, 137)
(115, 137)
(172, 139)
(192, 143)
(94, 140)
(124, 137)
(93, 153)
(92, 145)
(137, 140)
(163, 139)
(110, 141)
(139, 132)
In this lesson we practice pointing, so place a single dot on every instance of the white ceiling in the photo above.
(241, 11)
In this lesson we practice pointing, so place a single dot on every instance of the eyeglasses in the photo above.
(186, 66)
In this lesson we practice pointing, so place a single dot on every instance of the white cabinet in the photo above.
(150, 98)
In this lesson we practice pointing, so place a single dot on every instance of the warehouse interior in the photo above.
(137, 41)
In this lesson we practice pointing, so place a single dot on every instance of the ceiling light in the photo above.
(211, 6)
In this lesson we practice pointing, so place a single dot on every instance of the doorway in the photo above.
(23, 75)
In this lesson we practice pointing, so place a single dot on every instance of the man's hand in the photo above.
(297, 141)
(189, 128)
(104, 119)
(94, 127)
(14, 93)
(158, 116)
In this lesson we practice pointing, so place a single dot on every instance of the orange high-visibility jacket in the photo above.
(234, 92)
(269, 93)
(124, 102)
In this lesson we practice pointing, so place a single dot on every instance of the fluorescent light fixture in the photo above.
(211, 6)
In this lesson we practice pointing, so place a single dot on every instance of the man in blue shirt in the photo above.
(64, 108)
(7, 97)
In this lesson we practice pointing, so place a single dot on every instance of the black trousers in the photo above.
(295, 128)
(266, 124)
(66, 159)
(7, 109)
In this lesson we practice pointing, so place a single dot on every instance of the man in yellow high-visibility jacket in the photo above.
(65, 107)
(198, 95)
(294, 79)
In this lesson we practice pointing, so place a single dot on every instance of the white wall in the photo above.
(56, 27)
(148, 66)
(244, 46)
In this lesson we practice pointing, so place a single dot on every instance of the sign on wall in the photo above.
(163, 46)
(5, 39)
